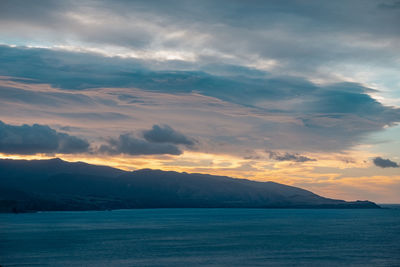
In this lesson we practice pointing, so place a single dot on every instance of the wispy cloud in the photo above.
(289, 157)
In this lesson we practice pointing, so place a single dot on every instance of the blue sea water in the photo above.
(202, 237)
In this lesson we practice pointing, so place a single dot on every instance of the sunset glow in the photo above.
(303, 101)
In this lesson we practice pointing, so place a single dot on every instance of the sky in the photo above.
(305, 93)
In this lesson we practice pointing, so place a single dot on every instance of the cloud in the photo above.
(289, 113)
(385, 163)
(26, 139)
(235, 75)
(50, 99)
(289, 157)
(165, 134)
(157, 141)
(128, 144)
(288, 34)
(390, 4)
(94, 116)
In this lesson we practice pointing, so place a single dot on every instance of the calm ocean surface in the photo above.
(202, 237)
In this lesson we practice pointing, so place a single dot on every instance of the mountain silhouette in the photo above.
(50, 185)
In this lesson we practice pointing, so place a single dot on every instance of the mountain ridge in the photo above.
(54, 184)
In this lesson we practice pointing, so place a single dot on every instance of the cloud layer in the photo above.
(291, 36)
(215, 83)
(289, 112)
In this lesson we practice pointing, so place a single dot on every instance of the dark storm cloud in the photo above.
(385, 163)
(32, 139)
(128, 144)
(165, 134)
(289, 157)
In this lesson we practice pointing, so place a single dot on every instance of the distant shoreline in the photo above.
(380, 206)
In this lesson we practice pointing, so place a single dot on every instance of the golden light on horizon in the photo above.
(322, 177)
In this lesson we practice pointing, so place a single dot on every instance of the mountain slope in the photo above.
(54, 184)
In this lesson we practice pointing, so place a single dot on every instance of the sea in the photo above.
(203, 237)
